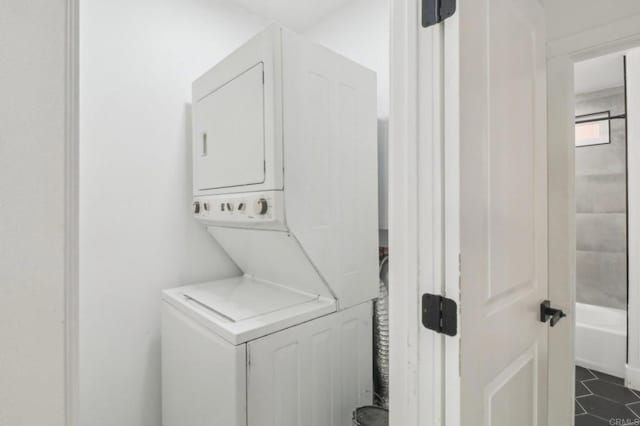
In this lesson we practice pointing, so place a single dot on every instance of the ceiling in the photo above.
(298, 15)
(599, 73)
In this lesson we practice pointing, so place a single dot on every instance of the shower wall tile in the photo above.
(601, 208)
(600, 278)
(601, 232)
(604, 193)
(600, 159)
(601, 100)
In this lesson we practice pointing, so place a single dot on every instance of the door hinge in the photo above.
(436, 11)
(440, 314)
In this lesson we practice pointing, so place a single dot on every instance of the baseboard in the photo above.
(632, 377)
(601, 367)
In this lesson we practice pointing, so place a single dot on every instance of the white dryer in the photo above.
(285, 179)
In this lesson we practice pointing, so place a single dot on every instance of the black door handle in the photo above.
(546, 312)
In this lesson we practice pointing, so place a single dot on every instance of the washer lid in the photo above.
(241, 298)
(241, 309)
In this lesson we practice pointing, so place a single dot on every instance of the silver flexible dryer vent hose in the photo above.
(381, 338)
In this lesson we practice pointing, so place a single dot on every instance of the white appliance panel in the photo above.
(314, 374)
(240, 309)
(263, 50)
(285, 180)
(264, 210)
(331, 180)
(203, 376)
(239, 300)
(230, 133)
(322, 109)
(273, 256)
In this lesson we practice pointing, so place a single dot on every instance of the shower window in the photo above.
(593, 129)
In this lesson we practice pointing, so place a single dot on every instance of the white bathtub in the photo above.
(601, 338)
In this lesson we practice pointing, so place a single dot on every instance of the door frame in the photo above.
(423, 246)
(417, 375)
(71, 214)
(632, 83)
(561, 57)
(404, 365)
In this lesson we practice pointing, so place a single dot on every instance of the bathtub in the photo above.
(601, 338)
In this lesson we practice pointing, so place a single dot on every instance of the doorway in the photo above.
(601, 206)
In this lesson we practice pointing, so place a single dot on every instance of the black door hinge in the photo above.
(440, 314)
(435, 11)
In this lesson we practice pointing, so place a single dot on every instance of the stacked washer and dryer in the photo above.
(285, 179)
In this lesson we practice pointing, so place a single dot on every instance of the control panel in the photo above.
(241, 209)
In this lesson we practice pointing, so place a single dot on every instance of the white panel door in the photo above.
(503, 212)
(314, 374)
(229, 133)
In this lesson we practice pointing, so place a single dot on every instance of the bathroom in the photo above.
(602, 237)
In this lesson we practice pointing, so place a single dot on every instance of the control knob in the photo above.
(261, 206)
(196, 207)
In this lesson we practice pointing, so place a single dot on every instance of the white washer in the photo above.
(268, 366)
(285, 179)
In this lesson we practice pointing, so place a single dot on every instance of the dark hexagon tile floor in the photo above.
(635, 407)
(602, 399)
(589, 420)
(579, 409)
(608, 378)
(606, 409)
(583, 374)
(581, 390)
(617, 393)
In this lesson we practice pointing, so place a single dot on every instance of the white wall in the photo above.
(360, 31)
(296, 15)
(567, 17)
(601, 73)
(32, 212)
(138, 60)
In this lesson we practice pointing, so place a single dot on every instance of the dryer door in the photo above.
(229, 137)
